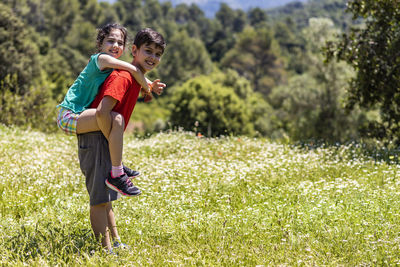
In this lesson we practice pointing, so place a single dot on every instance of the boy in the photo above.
(119, 93)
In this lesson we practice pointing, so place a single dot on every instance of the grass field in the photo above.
(206, 202)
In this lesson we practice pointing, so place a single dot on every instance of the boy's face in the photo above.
(147, 57)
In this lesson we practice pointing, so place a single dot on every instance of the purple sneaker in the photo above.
(122, 185)
(131, 173)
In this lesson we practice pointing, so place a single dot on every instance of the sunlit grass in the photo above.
(208, 202)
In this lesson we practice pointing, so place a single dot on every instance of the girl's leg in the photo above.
(87, 122)
(99, 222)
(115, 139)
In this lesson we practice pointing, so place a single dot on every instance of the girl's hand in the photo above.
(147, 95)
(157, 87)
(148, 98)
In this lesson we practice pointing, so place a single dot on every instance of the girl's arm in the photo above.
(106, 61)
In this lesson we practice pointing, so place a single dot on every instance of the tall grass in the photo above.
(205, 202)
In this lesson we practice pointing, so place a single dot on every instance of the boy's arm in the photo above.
(103, 114)
(106, 61)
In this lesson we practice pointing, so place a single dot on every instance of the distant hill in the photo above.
(210, 7)
(300, 13)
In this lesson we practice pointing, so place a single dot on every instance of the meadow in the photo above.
(231, 201)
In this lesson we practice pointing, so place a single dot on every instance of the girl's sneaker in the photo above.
(131, 173)
(122, 185)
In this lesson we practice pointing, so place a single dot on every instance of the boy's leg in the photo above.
(99, 222)
(94, 161)
(112, 226)
(111, 221)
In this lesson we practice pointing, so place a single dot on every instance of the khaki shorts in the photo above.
(95, 163)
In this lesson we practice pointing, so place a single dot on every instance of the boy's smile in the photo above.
(147, 57)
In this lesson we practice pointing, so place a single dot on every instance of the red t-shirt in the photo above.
(121, 86)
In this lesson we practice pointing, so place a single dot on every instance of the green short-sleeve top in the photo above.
(85, 88)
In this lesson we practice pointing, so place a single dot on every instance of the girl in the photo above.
(73, 115)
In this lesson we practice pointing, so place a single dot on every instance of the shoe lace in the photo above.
(129, 182)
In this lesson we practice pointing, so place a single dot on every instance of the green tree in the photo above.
(130, 13)
(221, 32)
(226, 16)
(310, 105)
(373, 51)
(262, 116)
(93, 13)
(193, 20)
(153, 14)
(256, 56)
(221, 42)
(220, 103)
(18, 52)
(257, 17)
(292, 45)
(184, 58)
(216, 109)
(109, 14)
(26, 97)
(82, 39)
(59, 18)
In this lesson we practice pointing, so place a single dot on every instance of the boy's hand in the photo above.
(157, 86)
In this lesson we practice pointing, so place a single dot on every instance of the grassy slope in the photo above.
(228, 201)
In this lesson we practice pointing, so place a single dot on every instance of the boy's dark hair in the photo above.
(104, 31)
(149, 36)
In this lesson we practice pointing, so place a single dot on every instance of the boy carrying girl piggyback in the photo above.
(75, 116)
(97, 108)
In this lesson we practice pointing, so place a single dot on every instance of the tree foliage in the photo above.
(184, 58)
(373, 51)
(256, 57)
(310, 105)
(16, 46)
(218, 105)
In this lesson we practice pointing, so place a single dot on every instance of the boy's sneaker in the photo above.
(122, 185)
(111, 252)
(131, 173)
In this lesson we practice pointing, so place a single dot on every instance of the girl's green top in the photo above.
(85, 88)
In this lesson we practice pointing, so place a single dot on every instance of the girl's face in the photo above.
(113, 44)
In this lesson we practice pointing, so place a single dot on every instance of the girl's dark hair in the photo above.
(149, 36)
(104, 31)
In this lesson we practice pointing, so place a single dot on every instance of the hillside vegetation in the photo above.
(252, 72)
